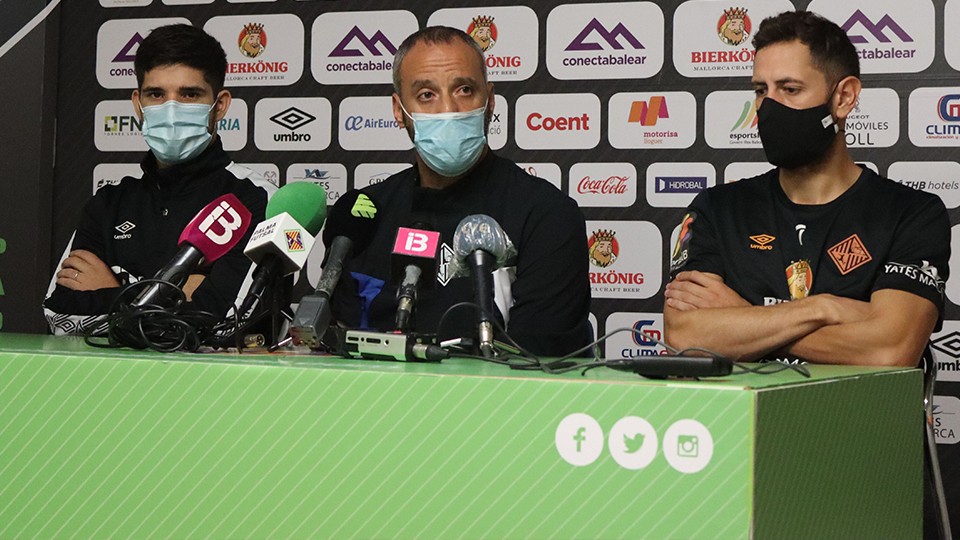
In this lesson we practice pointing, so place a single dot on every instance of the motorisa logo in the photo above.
(509, 37)
(357, 47)
(603, 184)
(652, 120)
(941, 178)
(367, 174)
(292, 123)
(625, 259)
(730, 120)
(617, 40)
(951, 39)
(674, 185)
(548, 171)
(262, 50)
(946, 343)
(557, 121)
(934, 115)
(875, 119)
(110, 174)
(116, 128)
(952, 288)
(332, 177)
(626, 345)
(740, 170)
(715, 39)
(232, 128)
(367, 123)
(117, 44)
(891, 36)
(497, 130)
(946, 419)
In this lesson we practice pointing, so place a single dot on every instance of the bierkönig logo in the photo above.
(733, 30)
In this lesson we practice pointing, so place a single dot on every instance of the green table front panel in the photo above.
(95, 446)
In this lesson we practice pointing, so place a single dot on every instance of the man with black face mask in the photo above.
(443, 99)
(818, 260)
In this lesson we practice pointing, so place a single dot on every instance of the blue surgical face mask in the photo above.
(449, 143)
(177, 132)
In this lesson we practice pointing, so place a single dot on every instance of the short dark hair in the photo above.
(830, 48)
(182, 44)
(432, 35)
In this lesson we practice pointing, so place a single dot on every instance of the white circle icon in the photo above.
(633, 442)
(688, 446)
(579, 439)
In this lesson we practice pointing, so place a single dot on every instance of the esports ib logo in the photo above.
(603, 248)
(483, 31)
(734, 26)
(252, 40)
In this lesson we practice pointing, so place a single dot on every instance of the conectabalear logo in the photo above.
(483, 31)
(252, 40)
(603, 248)
(376, 45)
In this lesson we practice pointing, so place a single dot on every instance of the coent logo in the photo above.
(537, 121)
(550, 121)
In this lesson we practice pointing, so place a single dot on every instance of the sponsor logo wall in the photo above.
(588, 98)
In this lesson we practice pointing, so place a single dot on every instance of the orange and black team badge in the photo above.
(849, 254)
(799, 279)
(762, 242)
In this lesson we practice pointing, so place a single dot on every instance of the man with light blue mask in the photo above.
(130, 230)
(444, 101)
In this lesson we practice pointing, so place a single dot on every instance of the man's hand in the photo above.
(84, 271)
(696, 290)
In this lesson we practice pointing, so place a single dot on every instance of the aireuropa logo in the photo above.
(730, 120)
(627, 345)
(548, 171)
(633, 443)
(875, 119)
(946, 419)
(891, 36)
(631, 268)
(652, 120)
(262, 50)
(508, 35)
(292, 123)
(603, 184)
(367, 174)
(233, 127)
(605, 41)
(117, 44)
(332, 177)
(110, 174)
(367, 123)
(675, 184)
(557, 121)
(941, 178)
(946, 342)
(116, 128)
(934, 116)
(357, 47)
(713, 39)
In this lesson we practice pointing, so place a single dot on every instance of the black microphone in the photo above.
(211, 234)
(480, 247)
(351, 225)
(414, 255)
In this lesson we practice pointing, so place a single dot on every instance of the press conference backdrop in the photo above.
(629, 107)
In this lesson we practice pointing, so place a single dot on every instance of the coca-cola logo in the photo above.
(612, 185)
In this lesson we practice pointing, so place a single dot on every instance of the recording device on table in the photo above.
(663, 366)
(354, 218)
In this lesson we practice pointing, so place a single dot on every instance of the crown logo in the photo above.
(604, 235)
(483, 20)
(253, 28)
(735, 13)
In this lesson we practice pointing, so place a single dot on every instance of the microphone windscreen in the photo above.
(354, 216)
(216, 229)
(306, 202)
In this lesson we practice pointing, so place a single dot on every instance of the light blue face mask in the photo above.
(450, 143)
(176, 132)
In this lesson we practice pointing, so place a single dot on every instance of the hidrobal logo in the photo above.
(376, 45)
(610, 37)
(646, 113)
(680, 184)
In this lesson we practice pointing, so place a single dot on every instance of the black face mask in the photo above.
(795, 137)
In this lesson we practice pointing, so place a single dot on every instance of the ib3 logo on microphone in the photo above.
(633, 443)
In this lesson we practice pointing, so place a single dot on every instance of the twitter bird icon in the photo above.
(632, 445)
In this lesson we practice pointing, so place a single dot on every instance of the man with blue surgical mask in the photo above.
(130, 230)
(444, 101)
